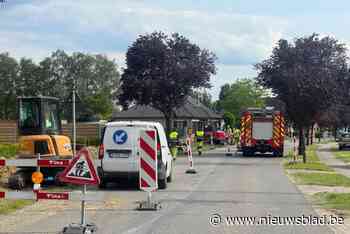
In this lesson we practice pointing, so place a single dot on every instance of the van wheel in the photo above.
(170, 178)
(102, 184)
(278, 153)
(162, 183)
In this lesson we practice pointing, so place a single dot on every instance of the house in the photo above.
(192, 114)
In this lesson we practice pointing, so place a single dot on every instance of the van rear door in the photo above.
(121, 151)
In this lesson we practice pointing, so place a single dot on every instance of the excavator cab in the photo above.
(38, 115)
(39, 126)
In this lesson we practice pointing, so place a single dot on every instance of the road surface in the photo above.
(227, 186)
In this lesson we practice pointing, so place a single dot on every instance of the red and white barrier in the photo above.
(295, 153)
(148, 161)
(189, 151)
(37, 162)
(42, 195)
(191, 169)
(34, 162)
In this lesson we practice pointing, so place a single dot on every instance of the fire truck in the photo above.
(262, 130)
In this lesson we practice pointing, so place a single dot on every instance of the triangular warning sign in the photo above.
(81, 170)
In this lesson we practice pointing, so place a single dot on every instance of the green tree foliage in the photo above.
(8, 80)
(230, 120)
(239, 95)
(307, 75)
(161, 72)
(97, 78)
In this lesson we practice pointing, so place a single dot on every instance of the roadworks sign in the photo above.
(81, 170)
(148, 160)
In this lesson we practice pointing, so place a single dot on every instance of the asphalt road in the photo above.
(228, 186)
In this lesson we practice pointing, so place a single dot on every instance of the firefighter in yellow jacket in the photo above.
(236, 134)
(173, 142)
(200, 141)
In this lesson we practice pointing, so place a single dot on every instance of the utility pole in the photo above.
(74, 121)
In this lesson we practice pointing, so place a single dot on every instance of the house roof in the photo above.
(192, 109)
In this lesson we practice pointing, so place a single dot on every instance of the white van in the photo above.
(119, 152)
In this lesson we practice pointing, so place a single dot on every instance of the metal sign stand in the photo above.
(149, 204)
(83, 227)
(83, 214)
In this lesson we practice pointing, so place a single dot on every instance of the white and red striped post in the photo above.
(148, 167)
(191, 169)
(294, 148)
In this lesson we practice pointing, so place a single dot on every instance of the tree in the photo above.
(307, 76)
(8, 79)
(161, 72)
(30, 83)
(96, 77)
(230, 119)
(239, 95)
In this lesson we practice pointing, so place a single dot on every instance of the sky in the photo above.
(240, 32)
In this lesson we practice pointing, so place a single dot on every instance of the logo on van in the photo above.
(120, 137)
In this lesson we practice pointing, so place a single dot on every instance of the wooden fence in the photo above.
(84, 130)
(8, 131)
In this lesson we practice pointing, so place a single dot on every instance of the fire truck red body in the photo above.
(262, 130)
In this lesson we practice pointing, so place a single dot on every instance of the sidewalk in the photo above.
(326, 156)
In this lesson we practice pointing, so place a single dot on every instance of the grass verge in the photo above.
(313, 162)
(316, 166)
(339, 201)
(325, 179)
(8, 206)
(8, 150)
(343, 155)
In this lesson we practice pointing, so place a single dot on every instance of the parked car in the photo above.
(119, 152)
(219, 137)
(344, 140)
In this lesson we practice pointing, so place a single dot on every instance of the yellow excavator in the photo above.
(39, 126)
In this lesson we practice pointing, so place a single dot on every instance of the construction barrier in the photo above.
(191, 169)
(34, 162)
(148, 168)
(42, 195)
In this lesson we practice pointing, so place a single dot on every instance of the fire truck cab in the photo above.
(262, 130)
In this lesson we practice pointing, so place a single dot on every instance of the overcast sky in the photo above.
(240, 32)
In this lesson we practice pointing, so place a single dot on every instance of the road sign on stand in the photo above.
(81, 170)
(148, 167)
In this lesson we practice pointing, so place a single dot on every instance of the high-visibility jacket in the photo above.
(199, 133)
(173, 135)
(236, 133)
